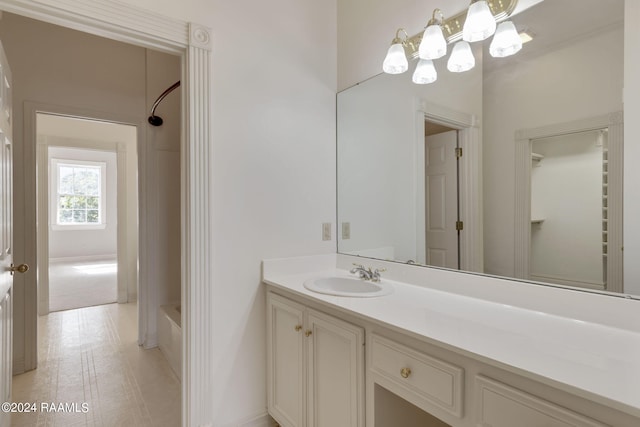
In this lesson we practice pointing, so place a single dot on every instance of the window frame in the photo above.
(56, 164)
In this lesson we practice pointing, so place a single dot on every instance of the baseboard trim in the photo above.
(18, 366)
(263, 420)
(85, 258)
(151, 341)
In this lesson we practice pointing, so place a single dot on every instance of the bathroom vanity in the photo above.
(446, 348)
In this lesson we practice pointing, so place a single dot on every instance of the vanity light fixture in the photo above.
(476, 23)
(461, 58)
(433, 44)
(396, 60)
(526, 36)
(425, 72)
(480, 23)
(506, 42)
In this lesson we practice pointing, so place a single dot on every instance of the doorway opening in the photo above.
(88, 170)
(569, 209)
(545, 227)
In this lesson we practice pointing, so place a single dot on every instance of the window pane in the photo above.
(78, 202)
(86, 181)
(65, 202)
(93, 202)
(66, 216)
(66, 180)
(79, 194)
(79, 216)
(92, 216)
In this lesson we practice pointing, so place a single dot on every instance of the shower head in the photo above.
(156, 120)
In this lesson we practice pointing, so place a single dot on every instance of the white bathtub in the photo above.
(170, 336)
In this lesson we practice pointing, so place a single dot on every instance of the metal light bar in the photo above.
(452, 27)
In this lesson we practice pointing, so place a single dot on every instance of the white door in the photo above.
(6, 237)
(442, 199)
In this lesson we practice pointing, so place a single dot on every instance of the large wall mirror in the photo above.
(513, 168)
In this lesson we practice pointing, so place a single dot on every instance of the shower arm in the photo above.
(156, 120)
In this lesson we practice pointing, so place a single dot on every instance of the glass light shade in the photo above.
(396, 60)
(480, 23)
(506, 42)
(433, 44)
(425, 72)
(461, 58)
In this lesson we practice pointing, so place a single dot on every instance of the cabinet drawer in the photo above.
(500, 405)
(423, 380)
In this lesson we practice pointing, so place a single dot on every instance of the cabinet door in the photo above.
(335, 372)
(285, 361)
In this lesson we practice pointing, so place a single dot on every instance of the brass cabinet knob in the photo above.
(298, 328)
(405, 372)
(308, 333)
(22, 268)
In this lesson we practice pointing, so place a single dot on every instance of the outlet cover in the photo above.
(346, 230)
(326, 231)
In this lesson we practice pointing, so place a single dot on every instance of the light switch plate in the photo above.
(326, 231)
(346, 230)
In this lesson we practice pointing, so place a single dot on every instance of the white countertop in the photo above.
(593, 360)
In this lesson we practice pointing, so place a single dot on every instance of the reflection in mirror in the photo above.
(567, 209)
(442, 174)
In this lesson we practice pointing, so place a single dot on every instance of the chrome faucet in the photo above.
(367, 273)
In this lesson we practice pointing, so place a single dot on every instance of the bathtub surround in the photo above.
(170, 336)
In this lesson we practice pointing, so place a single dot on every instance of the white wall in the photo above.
(550, 98)
(73, 70)
(86, 243)
(566, 191)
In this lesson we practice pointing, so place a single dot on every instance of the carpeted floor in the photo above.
(82, 284)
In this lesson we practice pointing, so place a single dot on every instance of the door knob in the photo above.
(22, 268)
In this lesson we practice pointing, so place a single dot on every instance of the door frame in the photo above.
(126, 278)
(470, 180)
(523, 139)
(192, 42)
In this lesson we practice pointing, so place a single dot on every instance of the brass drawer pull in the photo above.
(308, 333)
(298, 328)
(405, 372)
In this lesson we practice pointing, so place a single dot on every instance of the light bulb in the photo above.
(433, 44)
(396, 60)
(461, 58)
(506, 42)
(425, 72)
(480, 23)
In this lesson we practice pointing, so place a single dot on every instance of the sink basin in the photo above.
(348, 287)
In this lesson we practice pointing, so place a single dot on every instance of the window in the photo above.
(79, 194)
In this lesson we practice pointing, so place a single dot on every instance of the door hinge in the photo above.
(459, 225)
(458, 152)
